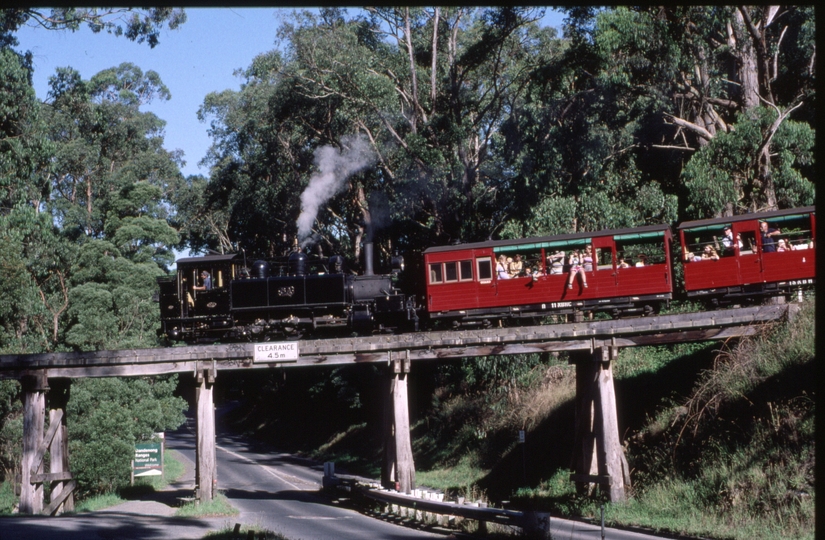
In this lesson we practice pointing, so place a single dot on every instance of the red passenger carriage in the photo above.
(749, 269)
(462, 284)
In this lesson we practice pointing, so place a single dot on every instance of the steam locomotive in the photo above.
(280, 297)
(623, 272)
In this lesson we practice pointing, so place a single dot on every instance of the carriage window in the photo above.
(795, 232)
(465, 270)
(638, 253)
(748, 242)
(450, 271)
(604, 258)
(435, 273)
(485, 269)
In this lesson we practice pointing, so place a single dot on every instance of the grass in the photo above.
(719, 439)
(458, 480)
(98, 502)
(733, 457)
(217, 507)
(173, 469)
(7, 498)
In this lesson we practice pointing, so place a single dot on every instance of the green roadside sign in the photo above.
(148, 459)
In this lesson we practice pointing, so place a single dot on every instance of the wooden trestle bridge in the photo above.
(595, 344)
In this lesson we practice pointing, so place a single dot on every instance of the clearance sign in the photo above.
(284, 351)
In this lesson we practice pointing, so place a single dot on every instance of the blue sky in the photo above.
(198, 58)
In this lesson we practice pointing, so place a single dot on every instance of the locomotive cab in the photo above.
(196, 300)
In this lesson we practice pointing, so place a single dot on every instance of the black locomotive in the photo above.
(279, 298)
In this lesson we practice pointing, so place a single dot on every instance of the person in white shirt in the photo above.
(501, 267)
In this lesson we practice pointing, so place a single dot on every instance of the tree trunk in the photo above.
(434, 64)
(747, 68)
(413, 76)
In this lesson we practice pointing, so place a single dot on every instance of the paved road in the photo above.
(281, 493)
(272, 491)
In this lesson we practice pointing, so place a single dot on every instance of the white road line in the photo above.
(264, 467)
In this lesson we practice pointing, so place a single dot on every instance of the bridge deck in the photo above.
(711, 325)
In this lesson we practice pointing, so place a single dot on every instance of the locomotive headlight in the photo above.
(397, 263)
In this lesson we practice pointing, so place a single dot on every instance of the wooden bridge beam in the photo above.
(608, 445)
(206, 470)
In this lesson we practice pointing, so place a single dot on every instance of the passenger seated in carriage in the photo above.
(555, 262)
(708, 254)
(577, 268)
(501, 267)
(515, 266)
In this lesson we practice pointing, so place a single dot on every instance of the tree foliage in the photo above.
(695, 73)
(106, 417)
(140, 25)
(484, 125)
(84, 233)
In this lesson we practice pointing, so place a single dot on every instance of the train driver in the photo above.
(206, 282)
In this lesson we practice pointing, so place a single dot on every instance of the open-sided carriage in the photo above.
(630, 272)
(751, 263)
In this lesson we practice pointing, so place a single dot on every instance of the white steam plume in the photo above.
(334, 167)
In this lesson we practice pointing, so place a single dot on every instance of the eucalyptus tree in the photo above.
(140, 25)
(724, 91)
(109, 180)
(460, 75)
(84, 185)
(33, 289)
(759, 145)
(24, 148)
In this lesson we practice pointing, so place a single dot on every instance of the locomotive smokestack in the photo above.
(368, 259)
